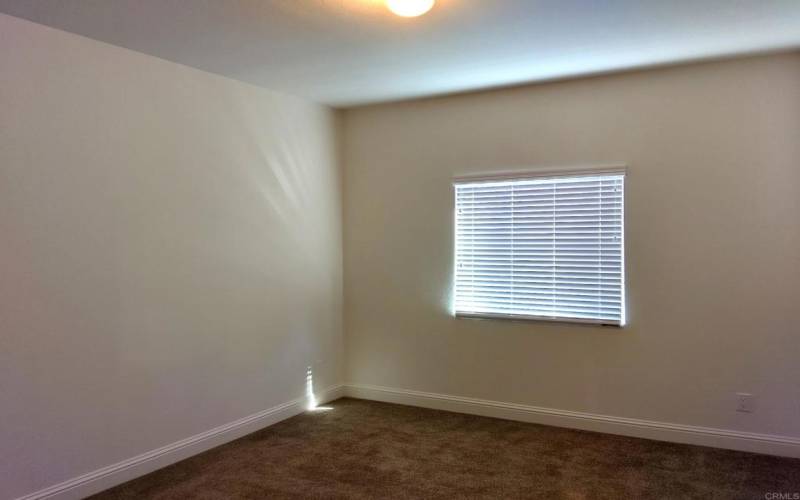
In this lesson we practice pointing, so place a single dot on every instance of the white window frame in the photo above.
(544, 173)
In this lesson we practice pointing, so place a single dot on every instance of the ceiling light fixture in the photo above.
(410, 8)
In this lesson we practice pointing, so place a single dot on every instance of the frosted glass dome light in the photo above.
(410, 8)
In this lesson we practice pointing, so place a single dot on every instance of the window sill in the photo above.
(545, 319)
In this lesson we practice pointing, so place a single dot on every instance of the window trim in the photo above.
(543, 173)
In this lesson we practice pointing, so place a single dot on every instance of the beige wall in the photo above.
(170, 257)
(713, 244)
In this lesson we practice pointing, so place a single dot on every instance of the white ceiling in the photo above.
(348, 52)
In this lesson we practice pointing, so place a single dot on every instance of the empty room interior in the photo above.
(416, 249)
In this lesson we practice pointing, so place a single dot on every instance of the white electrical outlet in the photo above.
(745, 403)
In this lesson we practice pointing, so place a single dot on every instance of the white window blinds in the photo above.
(541, 248)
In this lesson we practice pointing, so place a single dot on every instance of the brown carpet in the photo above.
(364, 449)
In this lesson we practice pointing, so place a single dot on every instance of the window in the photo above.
(549, 248)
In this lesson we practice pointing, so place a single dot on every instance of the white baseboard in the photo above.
(113, 475)
(702, 436)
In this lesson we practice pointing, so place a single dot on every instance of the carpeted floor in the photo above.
(363, 449)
